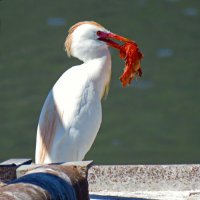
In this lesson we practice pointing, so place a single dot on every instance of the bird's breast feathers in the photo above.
(71, 115)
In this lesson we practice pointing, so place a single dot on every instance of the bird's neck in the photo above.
(99, 71)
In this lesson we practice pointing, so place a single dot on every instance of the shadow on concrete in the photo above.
(98, 197)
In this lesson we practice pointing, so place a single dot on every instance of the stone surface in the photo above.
(8, 169)
(16, 162)
(162, 182)
(132, 178)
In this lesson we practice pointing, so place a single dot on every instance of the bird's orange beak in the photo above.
(105, 37)
(128, 51)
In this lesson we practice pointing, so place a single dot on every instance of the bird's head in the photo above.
(88, 40)
(83, 42)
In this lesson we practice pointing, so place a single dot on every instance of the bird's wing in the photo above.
(70, 119)
(46, 128)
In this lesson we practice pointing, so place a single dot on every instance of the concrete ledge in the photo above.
(146, 181)
(8, 169)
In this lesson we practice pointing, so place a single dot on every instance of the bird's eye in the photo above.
(98, 33)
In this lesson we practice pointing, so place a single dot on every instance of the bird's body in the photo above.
(72, 113)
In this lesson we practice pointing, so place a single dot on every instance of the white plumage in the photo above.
(72, 113)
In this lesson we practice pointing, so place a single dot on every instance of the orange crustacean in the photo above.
(132, 55)
(129, 51)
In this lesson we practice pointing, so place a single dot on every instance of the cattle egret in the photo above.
(72, 113)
